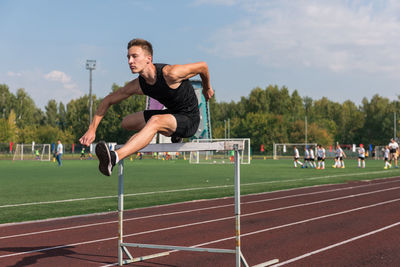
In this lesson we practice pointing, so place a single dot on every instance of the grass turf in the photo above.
(27, 186)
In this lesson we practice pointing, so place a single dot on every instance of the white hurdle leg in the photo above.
(120, 210)
(239, 257)
(237, 206)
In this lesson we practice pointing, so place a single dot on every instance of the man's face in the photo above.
(138, 59)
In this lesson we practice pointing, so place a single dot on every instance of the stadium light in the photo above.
(90, 65)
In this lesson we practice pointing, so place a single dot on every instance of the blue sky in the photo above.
(341, 49)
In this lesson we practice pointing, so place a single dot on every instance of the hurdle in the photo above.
(236, 146)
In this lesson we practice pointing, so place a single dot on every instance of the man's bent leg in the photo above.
(165, 123)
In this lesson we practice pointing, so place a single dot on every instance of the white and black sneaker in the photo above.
(106, 158)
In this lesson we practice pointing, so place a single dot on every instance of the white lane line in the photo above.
(337, 244)
(189, 189)
(209, 221)
(214, 207)
(301, 222)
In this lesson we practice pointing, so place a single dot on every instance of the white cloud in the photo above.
(63, 78)
(339, 36)
(43, 86)
(13, 74)
(57, 76)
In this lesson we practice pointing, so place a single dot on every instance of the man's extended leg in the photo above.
(165, 124)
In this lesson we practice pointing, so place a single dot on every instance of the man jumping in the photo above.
(170, 85)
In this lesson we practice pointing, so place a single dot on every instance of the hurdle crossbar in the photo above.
(236, 146)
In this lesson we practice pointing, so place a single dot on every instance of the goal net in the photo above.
(286, 151)
(32, 152)
(220, 157)
(45, 155)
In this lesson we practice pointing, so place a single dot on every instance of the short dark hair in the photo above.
(145, 45)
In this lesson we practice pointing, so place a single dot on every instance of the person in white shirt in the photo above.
(339, 163)
(321, 157)
(361, 156)
(386, 156)
(59, 152)
(393, 147)
(306, 158)
(296, 157)
(312, 158)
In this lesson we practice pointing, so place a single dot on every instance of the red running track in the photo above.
(352, 224)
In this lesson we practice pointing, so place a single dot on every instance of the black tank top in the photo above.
(180, 100)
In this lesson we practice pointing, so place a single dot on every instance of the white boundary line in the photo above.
(194, 189)
(201, 209)
(337, 244)
(194, 210)
(226, 218)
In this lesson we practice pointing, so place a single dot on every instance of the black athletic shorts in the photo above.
(187, 124)
(393, 150)
(362, 158)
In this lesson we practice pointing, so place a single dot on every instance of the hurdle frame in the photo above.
(236, 146)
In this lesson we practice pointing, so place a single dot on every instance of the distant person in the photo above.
(37, 154)
(342, 158)
(59, 152)
(82, 153)
(306, 158)
(321, 157)
(296, 157)
(312, 158)
(361, 156)
(339, 156)
(170, 85)
(394, 148)
(386, 158)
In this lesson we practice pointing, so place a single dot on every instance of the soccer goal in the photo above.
(220, 157)
(286, 151)
(32, 152)
(45, 155)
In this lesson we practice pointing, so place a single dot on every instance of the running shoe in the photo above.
(106, 159)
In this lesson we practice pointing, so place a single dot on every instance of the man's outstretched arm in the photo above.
(129, 89)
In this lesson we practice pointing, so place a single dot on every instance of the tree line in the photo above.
(267, 116)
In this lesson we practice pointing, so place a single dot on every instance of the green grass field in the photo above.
(32, 190)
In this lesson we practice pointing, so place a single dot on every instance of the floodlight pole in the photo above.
(90, 65)
(305, 129)
(229, 128)
(394, 124)
(225, 129)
